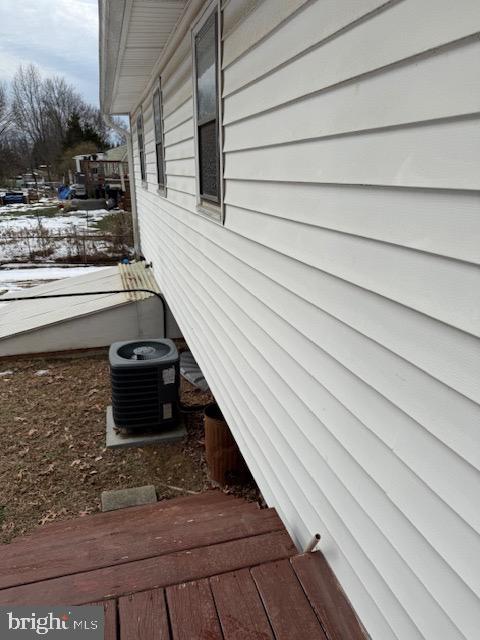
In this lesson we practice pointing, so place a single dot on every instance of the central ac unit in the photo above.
(145, 384)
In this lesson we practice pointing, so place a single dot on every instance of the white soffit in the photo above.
(133, 34)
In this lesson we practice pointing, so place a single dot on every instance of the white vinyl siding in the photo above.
(336, 313)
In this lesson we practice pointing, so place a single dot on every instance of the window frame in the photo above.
(209, 206)
(161, 187)
(141, 148)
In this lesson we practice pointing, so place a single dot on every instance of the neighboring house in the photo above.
(30, 180)
(307, 188)
(93, 157)
(116, 154)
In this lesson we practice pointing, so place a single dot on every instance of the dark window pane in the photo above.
(208, 156)
(206, 56)
(160, 172)
(157, 116)
(141, 150)
(142, 165)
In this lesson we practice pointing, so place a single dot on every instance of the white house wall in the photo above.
(336, 314)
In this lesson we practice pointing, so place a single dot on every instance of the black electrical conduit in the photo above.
(98, 293)
(183, 407)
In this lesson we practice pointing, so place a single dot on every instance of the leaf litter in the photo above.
(54, 464)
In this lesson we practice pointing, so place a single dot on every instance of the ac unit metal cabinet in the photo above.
(145, 380)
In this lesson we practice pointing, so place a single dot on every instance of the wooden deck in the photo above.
(205, 567)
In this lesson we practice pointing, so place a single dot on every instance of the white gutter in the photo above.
(131, 177)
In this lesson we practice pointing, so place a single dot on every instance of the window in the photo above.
(207, 111)
(157, 117)
(141, 146)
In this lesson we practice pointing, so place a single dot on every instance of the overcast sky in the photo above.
(60, 36)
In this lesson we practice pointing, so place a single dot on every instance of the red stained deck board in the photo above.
(110, 613)
(193, 615)
(327, 597)
(110, 609)
(287, 607)
(23, 564)
(143, 616)
(240, 607)
(163, 511)
(155, 572)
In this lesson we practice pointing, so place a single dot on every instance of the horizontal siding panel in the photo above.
(419, 396)
(356, 260)
(234, 11)
(180, 167)
(183, 184)
(147, 108)
(150, 152)
(427, 89)
(183, 113)
(294, 37)
(445, 223)
(388, 424)
(182, 51)
(178, 77)
(406, 29)
(431, 156)
(243, 34)
(185, 200)
(180, 150)
(182, 132)
(173, 102)
(447, 354)
(316, 366)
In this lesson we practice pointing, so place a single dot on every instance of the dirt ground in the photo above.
(53, 460)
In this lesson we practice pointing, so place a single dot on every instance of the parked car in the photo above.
(13, 197)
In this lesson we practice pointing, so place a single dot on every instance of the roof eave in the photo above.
(110, 34)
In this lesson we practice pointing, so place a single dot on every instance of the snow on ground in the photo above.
(80, 219)
(17, 279)
(25, 216)
(21, 208)
(27, 234)
(24, 232)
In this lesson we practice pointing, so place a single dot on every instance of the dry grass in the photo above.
(107, 240)
(53, 461)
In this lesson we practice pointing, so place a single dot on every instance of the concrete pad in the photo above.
(134, 497)
(117, 440)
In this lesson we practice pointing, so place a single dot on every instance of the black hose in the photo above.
(97, 293)
(193, 408)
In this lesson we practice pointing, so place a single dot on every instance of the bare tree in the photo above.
(52, 116)
(60, 101)
(28, 104)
